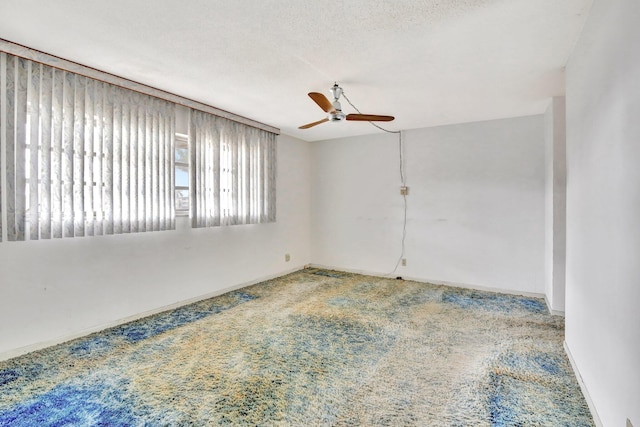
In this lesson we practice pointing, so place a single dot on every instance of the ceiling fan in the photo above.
(335, 110)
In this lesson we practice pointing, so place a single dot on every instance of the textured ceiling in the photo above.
(426, 62)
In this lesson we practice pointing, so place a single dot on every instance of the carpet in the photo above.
(312, 348)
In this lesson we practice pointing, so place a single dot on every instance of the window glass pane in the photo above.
(182, 176)
(182, 200)
(182, 155)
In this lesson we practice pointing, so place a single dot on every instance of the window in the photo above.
(233, 169)
(182, 174)
(83, 157)
(80, 156)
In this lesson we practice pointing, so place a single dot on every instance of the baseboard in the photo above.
(50, 343)
(434, 282)
(552, 311)
(583, 387)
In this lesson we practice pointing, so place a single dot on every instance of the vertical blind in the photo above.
(233, 171)
(82, 157)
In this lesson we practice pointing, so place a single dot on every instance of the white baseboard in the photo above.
(434, 282)
(552, 311)
(583, 387)
(49, 343)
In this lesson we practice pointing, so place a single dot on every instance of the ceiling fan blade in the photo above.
(322, 102)
(369, 118)
(310, 125)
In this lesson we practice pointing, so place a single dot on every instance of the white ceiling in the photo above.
(426, 62)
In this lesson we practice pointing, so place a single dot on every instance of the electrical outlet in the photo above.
(287, 257)
(404, 191)
(404, 262)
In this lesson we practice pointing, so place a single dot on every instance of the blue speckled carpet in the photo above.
(311, 348)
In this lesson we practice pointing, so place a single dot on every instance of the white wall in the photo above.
(555, 203)
(55, 289)
(475, 204)
(603, 209)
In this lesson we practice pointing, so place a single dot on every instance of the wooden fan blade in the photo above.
(369, 118)
(322, 102)
(310, 125)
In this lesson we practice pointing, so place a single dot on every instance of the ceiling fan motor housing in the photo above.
(337, 116)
